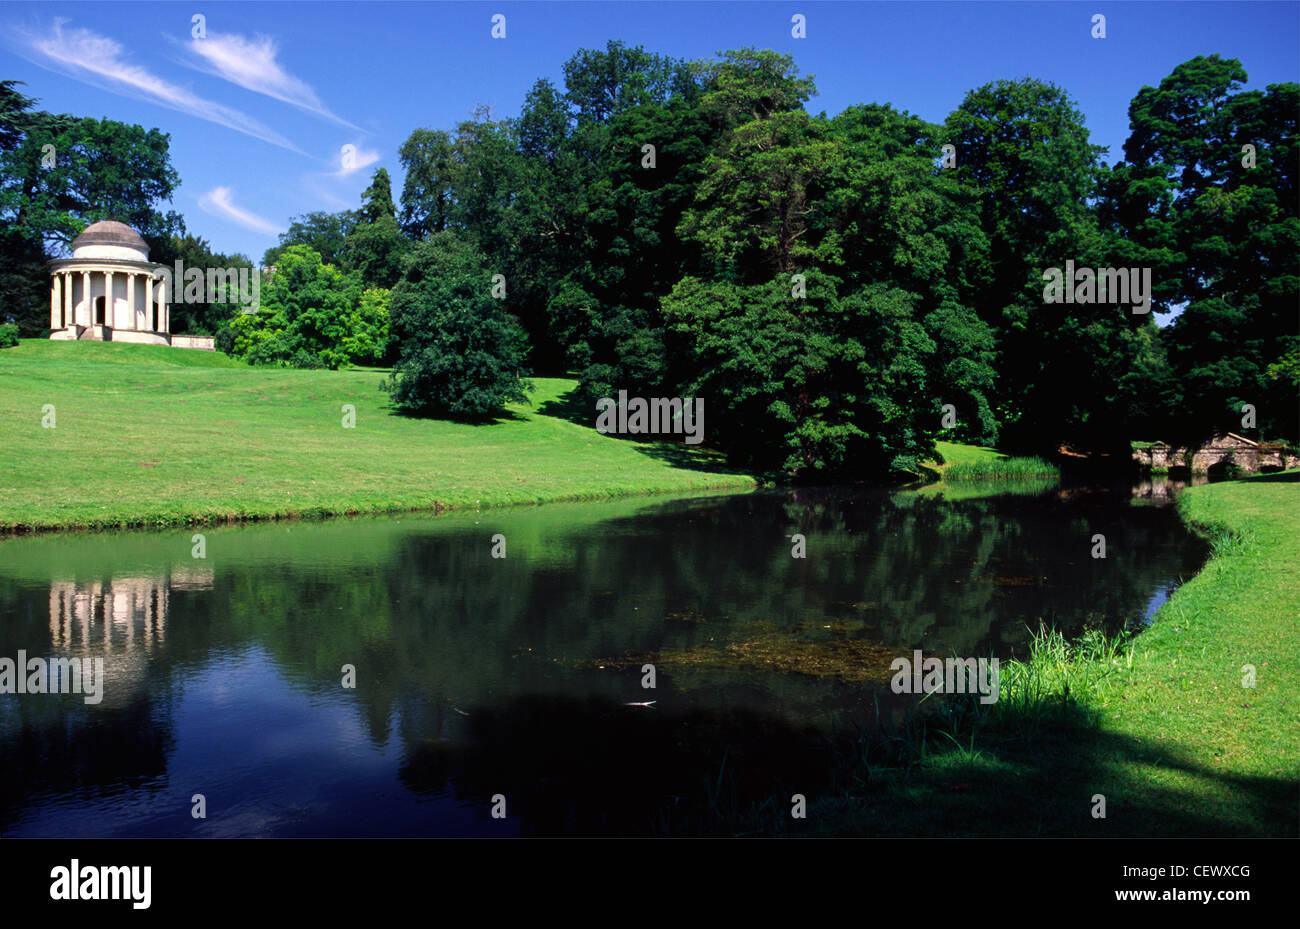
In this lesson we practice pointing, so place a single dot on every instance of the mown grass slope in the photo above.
(151, 435)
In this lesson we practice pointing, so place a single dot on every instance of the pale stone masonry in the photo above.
(109, 291)
(1247, 454)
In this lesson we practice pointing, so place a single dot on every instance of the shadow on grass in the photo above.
(489, 419)
(689, 458)
(572, 407)
(596, 767)
(1286, 477)
(1026, 779)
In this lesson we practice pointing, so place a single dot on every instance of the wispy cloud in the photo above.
(100, 61)
(320, 193)
(219, 201)
(354, 158)
(325, 186)
(253, 65)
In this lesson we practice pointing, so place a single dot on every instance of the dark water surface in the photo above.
(478, 676)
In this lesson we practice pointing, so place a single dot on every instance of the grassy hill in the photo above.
(152, 435)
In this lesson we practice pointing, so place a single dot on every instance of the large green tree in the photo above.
(311, 315)
(831, 319)
(1207, 196)
(58, 174)
(92, 169)
(324, 233)
(460, 353)
(1023, 151)
(375, 245)
(593, 226)
(377, 199)
(427, 158)
(606, 310)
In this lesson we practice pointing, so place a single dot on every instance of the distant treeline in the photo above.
(837, 288)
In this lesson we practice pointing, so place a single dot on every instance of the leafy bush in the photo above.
(461, 354)
(367, 340)
(312, 315)
(8, 335)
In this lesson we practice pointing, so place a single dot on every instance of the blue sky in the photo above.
(259, 111)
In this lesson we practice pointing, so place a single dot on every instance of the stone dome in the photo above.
(110, 239)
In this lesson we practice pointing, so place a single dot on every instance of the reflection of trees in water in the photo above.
(438, 621)
(965, 577)
(73, 750)
(443, 625)
(447, 640)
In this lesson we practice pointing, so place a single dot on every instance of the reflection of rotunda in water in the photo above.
(122, 620)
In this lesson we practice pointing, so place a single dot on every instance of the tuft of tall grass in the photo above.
(1000, 469)
(1058, 681)
(1056, 687)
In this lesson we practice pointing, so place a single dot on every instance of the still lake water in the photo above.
(477, 676)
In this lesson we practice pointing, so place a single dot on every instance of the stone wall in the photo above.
(1249, 456)
(136, 336)
(1160, 457)
(202, 342)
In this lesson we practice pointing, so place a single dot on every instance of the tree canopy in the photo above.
(842, 290)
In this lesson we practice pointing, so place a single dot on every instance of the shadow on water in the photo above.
(590, 766)
(594, 767)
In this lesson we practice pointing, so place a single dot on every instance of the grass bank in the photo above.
(964, 472)
(1161, 725)
(977, 462)
(156, 436)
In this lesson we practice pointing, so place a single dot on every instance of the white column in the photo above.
(56, 614)
(164, 314)
(130, 301)
(85, 298)
(55, 303)
(68, 321)
(110, 306)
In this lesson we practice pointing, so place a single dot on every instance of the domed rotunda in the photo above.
(110, 291)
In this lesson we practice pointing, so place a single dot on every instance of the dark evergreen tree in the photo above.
(460, 353)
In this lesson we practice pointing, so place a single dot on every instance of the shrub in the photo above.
(460, 353)
(308, 314)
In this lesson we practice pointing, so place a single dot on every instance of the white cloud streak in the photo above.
(220, 201)
(253, 65)
(100, 61)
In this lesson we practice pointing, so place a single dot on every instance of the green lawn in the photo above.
(152, 435)
(954, 453)
(966, 472)
(1163, 727)
(1185, 698)
(978, 462)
